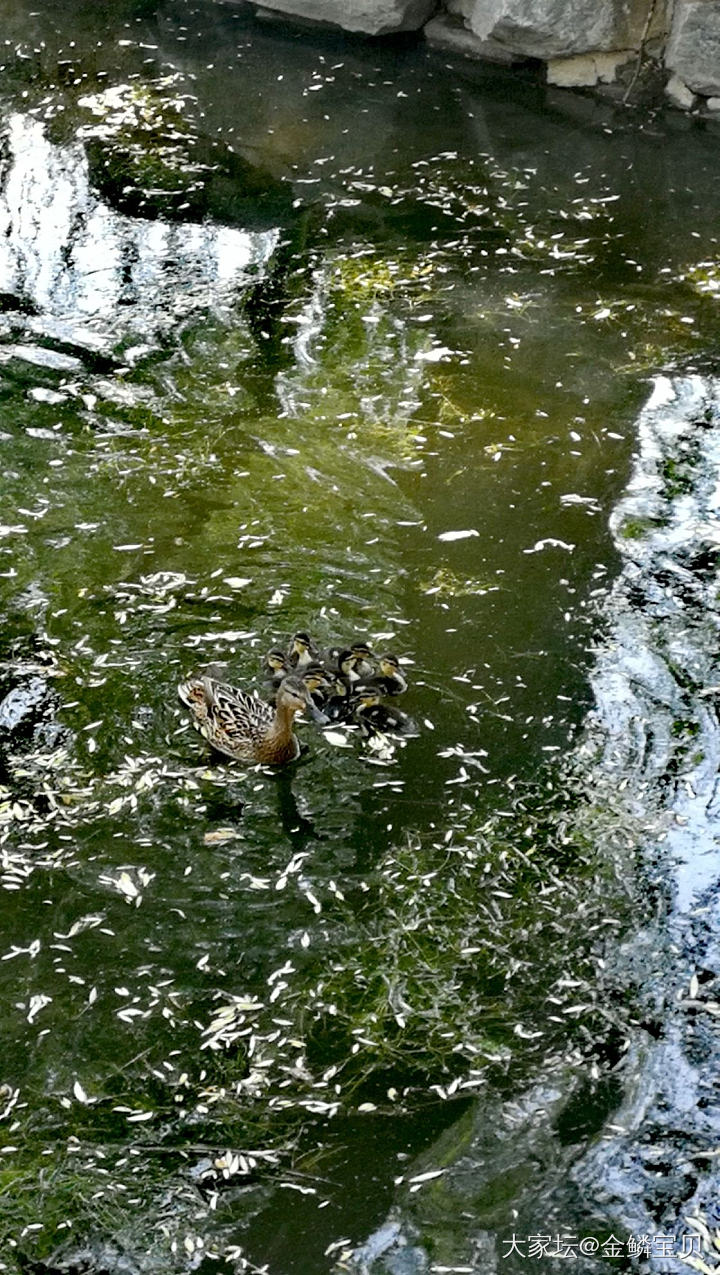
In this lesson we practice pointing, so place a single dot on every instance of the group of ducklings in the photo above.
(341, 684)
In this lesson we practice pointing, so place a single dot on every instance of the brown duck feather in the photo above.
(242, 726)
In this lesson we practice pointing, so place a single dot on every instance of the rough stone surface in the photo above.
(713, 104)
(371, 17)
(679, 94)
(556, 28)
(452, 36)
(587, 69)
(693, 51)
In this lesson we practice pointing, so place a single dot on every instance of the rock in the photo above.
(545, 29)
(713, 104)
(450, 35)
(679, 94)
(371, 17)
(587, 69)
(693, 51)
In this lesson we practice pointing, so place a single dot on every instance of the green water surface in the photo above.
(284, 315)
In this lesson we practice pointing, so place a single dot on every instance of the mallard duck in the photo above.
(301, 651)
(389, 679)
(243, 727)
(372, 715)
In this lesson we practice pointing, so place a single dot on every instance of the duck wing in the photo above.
(232, 721)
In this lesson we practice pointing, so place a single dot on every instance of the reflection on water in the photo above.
(403, 413)
(66, 254)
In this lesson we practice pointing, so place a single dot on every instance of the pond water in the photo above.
(300, 332)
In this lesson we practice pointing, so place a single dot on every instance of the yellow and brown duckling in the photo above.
(348, 664)
(372, 716)
(318, 684)
(276, 667)
(301, 651)
(243, 727)
(340, 665)
(389, 679)
(362, 661)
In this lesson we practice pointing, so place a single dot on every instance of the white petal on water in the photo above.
(335, 737)
(572, 498)
(36, 1004)
(549, 542)
(434, 355)
(427, 1177)
(127, 1015)
(458, 535)
(80, 1092)
(336, 1245)
(237, 582)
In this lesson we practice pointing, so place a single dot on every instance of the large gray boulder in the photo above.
(371, 17)
(693, 51)
(449, 34)
(556, 28)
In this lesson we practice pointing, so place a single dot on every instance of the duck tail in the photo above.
(192, 691)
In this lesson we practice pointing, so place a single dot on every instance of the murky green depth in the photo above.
(298, 332)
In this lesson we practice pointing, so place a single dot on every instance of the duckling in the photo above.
(318, 685)
(337, 706)
(243, 727)
(301, 651)
(340, 669)
(363, 665)
(389, 680)
(276, 667)
(344, 662)
(372, 715)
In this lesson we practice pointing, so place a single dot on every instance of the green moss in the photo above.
(638, 528)
(685, 728)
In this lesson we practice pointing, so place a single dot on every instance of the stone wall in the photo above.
(582, 43)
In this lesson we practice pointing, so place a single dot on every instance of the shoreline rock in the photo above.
(584, 44)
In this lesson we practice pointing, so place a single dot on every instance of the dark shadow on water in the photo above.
(297, 828)
(226, 805)
(352, 1182)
